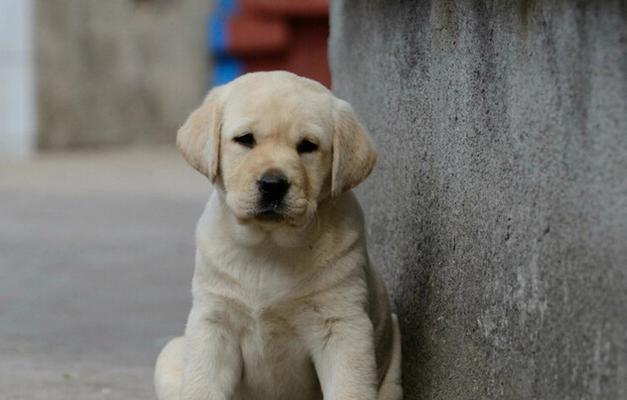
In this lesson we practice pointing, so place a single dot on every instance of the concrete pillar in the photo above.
(498, 208)
(17, 105)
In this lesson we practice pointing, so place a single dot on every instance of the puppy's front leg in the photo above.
(345, 359)
(213, 362)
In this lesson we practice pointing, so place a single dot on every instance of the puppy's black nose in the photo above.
(273, 185)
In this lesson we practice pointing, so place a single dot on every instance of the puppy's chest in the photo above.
(270, 334)
(271, 327)
(276, 362)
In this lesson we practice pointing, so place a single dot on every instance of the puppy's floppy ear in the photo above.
(199, 137)
(354, 155)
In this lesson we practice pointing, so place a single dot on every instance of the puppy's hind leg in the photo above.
(391, 388)
(169, 370)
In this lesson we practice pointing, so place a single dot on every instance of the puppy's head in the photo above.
(276, 144)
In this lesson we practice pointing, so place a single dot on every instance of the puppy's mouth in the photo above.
(270, 216)
(272, 212)
(269, 213)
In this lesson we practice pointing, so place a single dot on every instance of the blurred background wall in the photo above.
(92, 73)
(117, 72)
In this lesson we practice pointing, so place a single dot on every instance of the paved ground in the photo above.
(96, 253)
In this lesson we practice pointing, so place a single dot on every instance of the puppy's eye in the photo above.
(246, 140)
(306, 146)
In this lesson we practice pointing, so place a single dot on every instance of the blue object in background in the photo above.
(225, 67)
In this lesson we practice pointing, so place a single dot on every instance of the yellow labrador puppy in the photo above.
(286, 303)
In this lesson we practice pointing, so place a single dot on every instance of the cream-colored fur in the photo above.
(287, 309)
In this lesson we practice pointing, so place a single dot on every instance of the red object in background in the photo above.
(282, 34)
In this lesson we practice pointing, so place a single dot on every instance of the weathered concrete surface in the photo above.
(96, 257)
(498, 209)
(118, 72)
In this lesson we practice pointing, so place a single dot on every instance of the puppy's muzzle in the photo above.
(273, 186)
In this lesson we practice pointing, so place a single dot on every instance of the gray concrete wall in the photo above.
(498, 208)
(118, 72)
